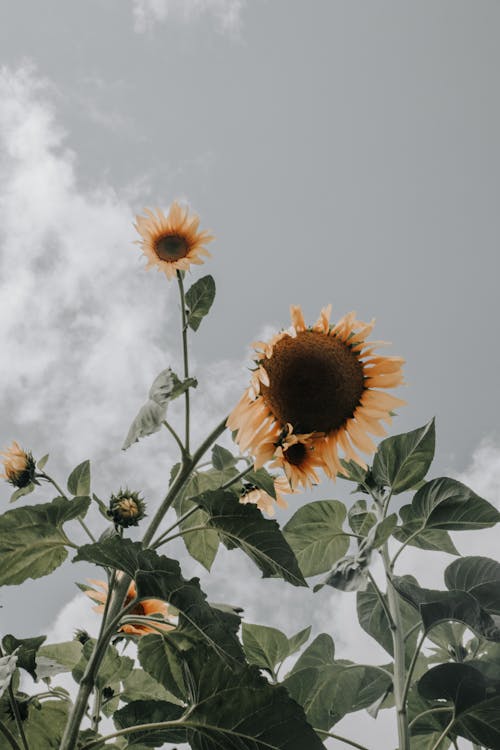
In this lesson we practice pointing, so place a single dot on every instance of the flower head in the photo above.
(126, 508)
(144, 608)
(172, 243)
(314, 392)
(19, 466)
(264, 501)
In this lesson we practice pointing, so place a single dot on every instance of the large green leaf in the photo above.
(222, 458)
(139, 685)
(432, 539)
(55, 658)
(26, 649)
(373, 620)
(79, 479)
(243, 526)
(449, 505)
(162, 659)
(266, 647)
(114, 668)
(32, 540)
(480, 576)
(199, 299)
(360, 518)
(460, 683)
(315, 534)
(149, 712)
(320, 652)
(298, 640)
(436, 607)
(481, 723)
(237, 709)
(43, 725)
(401, 461)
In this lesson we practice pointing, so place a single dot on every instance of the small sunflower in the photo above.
(19, 466)
(314, 393)
(126, 508)
(172, 243)
(145, 608)
(264, 501)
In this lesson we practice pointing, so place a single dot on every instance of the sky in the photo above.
(342, 152)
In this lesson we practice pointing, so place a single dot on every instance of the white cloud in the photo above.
(226, 13)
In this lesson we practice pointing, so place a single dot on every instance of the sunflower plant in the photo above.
(167, 667)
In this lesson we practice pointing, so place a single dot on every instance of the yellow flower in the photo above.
(19, 466)
(145, 608)
(172, 243)
(314, 392)
(263, 500)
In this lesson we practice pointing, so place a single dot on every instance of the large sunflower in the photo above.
(313, 394)
(172, 243)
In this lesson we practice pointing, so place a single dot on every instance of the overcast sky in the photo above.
(342, 152)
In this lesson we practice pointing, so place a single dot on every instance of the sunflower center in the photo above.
(295, 454)
(171, 247)
(316, 382)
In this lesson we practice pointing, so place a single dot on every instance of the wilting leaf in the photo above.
(26, 649)
(32, 540)
(401, 461)
(315, 534)
(199, 299)
(348, 574)
(79, 479)
(243, 526)
(167, 386)
(7, 668)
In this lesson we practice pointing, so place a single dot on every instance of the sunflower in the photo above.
(172, 243)
(264, 501)
(145, 608)
(126, 508)
(314, 392)
(19, 466)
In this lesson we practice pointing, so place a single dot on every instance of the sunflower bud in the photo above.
(126, 508)
(19, 466)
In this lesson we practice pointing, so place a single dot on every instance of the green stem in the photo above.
(237, 478)
(382, 601)
(403, 546)
(96, 710)
(411, 668)
(9, 736)
(408, 633)
(60, 491)
(175, 436)
(436, 710)
(17, 716)
(444, 733)
(185, 355)
(164, 540)
(180, 480)
(345, 740)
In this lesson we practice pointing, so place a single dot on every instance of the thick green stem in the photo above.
(185, 355)
(17, 717)
(96, 710)
(443, 733)
(411, 668)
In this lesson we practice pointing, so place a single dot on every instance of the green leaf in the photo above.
(481, 723)
(243, 526)
(373, 620)
(266, 647)
(449, 505)
(432, 539)
(380, 533)
(43, 724)
(354, 472)
(8, 666)
(222, 458)
(55, 658)
(79, 479)
(113, 669)
(162, 659)
(315, 534)
(21, 492)
(32, 541)
(199, 299)
(298, 640)
(42, 462)
(480, 576)
(360, 519)
(459, 683)
(149, 712)
(239, 709)
(26, 649)
(403, 460)
(441, 606)
(320, 652)
(139, 685)
(263, 480)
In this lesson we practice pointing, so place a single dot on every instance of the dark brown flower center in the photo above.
(316, 382)
(171, 247)
(295, 454)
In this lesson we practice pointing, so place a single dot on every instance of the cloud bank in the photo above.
(226, 14)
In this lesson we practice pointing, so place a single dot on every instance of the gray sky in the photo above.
(341, 151)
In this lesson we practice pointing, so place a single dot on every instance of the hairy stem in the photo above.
(185, 356)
